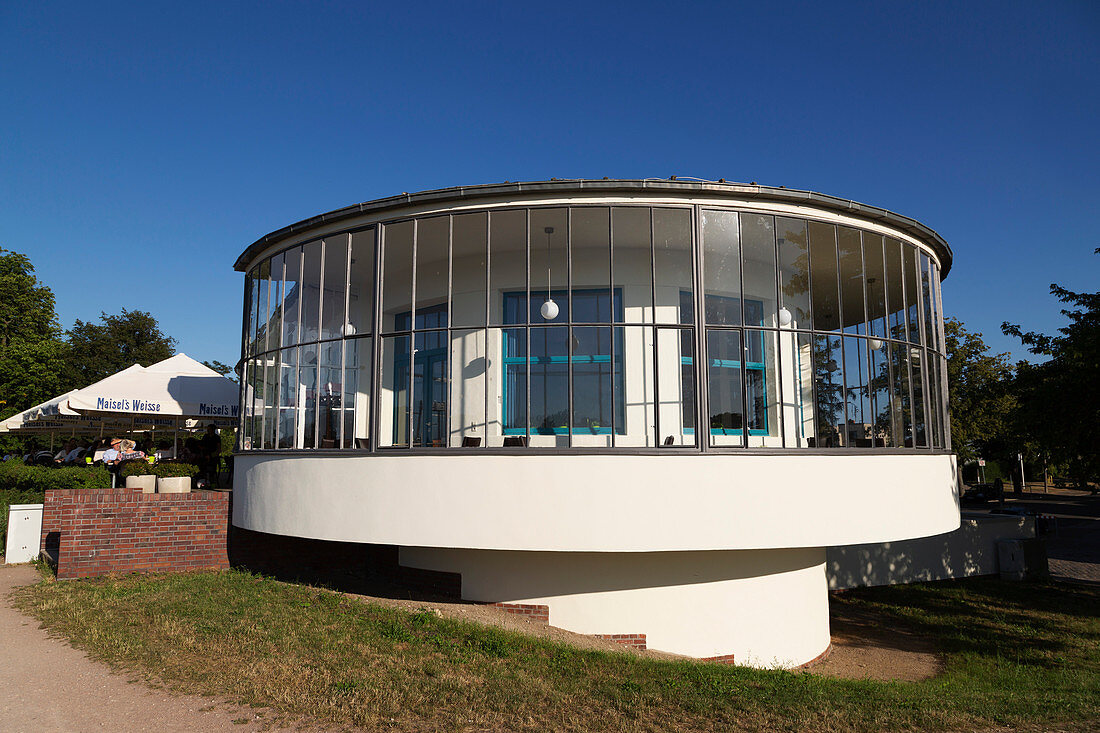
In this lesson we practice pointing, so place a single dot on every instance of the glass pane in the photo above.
(292, 296)
(758, 262)
(917, 375)
(828, 390)
(895, 294)
(393, 402)
(935, 424)
(288, 399)
(823, 277)
(593, 396)
(881, 392)
(676, 386)
(250, 295)
(248, 401)
(727, 415)
(721, 268)
(673, 265)
(361, 285)
(860, 430)
(633, 255)
(798, 421)
(469, 246)
(262, 313)
(335, 286)
(508, 264)
(275, 304)
(307, 396)
(794, 273)
(469, 377)
(356, 399)
(851, 280)
(396, 272)
(549, 263)
(903, 417)
(912, 297)
(331, 391)
(876, 283)
(926, 299)
(590, 243)
(432, 264)
(633, 387)
(508, 387)
(430, 390)
(549, 370)
(762, 389)
(309, 329)
(271, 398)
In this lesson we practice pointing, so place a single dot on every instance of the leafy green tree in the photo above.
(223, 369)
(980, 398)
(32, 353)
(1060, 398)
(99, 350)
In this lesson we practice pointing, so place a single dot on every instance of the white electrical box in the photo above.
(24, 533)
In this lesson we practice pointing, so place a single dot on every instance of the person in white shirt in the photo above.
(75, 453)
(110, 456)
(64, 452)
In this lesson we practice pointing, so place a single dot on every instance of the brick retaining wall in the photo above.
(98, 531)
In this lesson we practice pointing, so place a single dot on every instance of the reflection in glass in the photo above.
(397, 258)
(430, 389)
(275, 304)
(860, 424)
(335, 286)
(675, 387)
(288, 399)
(590, 244)
(633, 386)
(393, 407)
(901, 403)
(823, 277)
(592, 392)
(672, 264)
(828, 390)
(926, 298)
(251, 295)
(912, 297)
(895, 290)
(724, 388)
(514, 397)
(881, 393)
(507, 260)
(794, 273)
(271, 397)
(758, 258)
(309, 328)
(850, 256)
(361, 285)
(356, 400)
(876, 284)
(469, 248)
(329, 405)
(722, 267)
(262, 315)
(916, 374)
(432, 265)
(761, 388)
(469, 377)
(549, 390)
(292, 296)
(633, 271)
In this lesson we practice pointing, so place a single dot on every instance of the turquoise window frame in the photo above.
(616, 374)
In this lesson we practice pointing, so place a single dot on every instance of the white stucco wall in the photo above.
(598, 503)
(767, 608)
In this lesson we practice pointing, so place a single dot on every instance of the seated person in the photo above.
(110, 456)
(75, 454)
(64, 452)
(127, 452)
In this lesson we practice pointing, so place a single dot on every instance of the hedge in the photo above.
(23, 484)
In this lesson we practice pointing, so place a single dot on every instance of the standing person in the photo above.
(211, 448)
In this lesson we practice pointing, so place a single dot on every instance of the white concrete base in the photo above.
(767, 608)
(147, 483)
(180, 485)
(24, 533)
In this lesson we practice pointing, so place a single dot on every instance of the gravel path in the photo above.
(49, 686)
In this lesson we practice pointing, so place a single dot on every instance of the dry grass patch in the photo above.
(1014, 656)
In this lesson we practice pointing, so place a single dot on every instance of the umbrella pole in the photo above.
(176, 441)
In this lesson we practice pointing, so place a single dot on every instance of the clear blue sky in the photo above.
(143, 146)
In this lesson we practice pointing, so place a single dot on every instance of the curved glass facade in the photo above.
(595, 327)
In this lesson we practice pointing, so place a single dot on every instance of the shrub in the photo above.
(135, 468)
(173, 469)
(16, 476)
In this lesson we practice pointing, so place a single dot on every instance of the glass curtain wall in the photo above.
(595, 327)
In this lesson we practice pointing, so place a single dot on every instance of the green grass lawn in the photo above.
(1015, 655)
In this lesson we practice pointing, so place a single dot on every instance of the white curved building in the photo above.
(647, 406)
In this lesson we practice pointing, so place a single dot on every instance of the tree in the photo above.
(223, 369)
(101, 349)
(1060, 398)
(32, 354)
(980, 399)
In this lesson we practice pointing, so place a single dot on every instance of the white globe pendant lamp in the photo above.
(549, 309)
(784, 317)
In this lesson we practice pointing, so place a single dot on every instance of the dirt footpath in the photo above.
(49, 686)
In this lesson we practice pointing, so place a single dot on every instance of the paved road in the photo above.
(49, 686)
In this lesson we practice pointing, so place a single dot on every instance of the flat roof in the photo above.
(509, 190)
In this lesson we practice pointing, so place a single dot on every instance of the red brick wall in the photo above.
(100, 531)
(635, 641)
